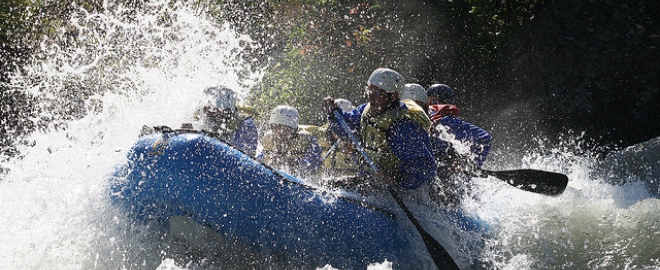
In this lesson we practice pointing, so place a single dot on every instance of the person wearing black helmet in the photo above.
(458, 146)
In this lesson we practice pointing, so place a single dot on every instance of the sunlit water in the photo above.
(152, 70)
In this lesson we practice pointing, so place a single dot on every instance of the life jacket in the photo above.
(228, 127)
(375, 131)
(225, 129)
(287, 154)
(320, 133)
(417, 114)
(339, 163)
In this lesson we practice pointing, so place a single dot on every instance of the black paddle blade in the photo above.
(548, 183)
(439, 254)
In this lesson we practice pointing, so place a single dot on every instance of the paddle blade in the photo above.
(439, 255)
(548, 183)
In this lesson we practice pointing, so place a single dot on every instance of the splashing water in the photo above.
(149, 68)
(592, 225)
(131, 68)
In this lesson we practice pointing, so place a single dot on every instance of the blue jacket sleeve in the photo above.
(245, 137)
(412, 146)
(312, 159)
(479, 139)
(352, 119)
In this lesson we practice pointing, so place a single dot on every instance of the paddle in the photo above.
(332, 149)
(439, 254)
(542, 182)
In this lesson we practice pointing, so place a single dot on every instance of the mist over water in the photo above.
(149, 67)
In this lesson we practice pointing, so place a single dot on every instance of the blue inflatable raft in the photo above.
(192, 174)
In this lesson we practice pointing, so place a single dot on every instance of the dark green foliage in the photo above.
(325, 54)
(321, 48)
(24, 25)
(330, 48)
(497, 21)
(16, 112)
(14, 29)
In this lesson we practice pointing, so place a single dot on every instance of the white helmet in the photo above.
(387, 79)
(415, 92)
(222, 97)
(344, 105)
(284, 115)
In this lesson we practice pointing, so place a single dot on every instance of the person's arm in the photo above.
(246, 136)
(479, 139)
(481, 147)
(352, 119)
(411, 145)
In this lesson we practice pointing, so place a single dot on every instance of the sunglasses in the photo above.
(374, 89)
(211, 111)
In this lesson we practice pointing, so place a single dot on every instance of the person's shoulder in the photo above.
(405, 103)
(306, 137)
(450, 119)
(453, 121)
(319, 132)
(267, 141)
(308, 128)
(246, 109)
(248, 120)
(304, 133)
(268, 134)
(414, 113)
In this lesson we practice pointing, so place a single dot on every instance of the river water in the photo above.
(151, 68)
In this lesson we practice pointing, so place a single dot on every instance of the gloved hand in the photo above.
(328, 104)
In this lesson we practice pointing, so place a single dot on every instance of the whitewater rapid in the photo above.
(55, 209)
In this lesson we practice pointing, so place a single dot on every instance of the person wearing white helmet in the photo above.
(220, 116)
(416, 93)
(287, 147)
(392, 131)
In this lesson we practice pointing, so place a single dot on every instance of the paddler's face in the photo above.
(214, 117)
(214, 113)
(282, 133)
(377, 97)
(434, 101)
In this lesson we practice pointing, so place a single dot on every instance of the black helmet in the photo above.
(441, 91)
